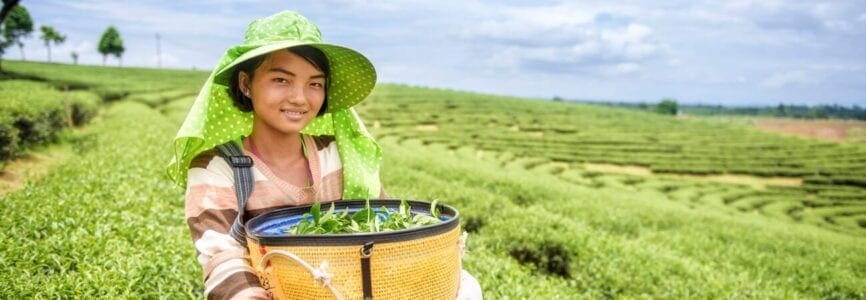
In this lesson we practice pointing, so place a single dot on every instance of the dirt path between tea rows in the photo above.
(31, 166)
(829, 130)
(753, 181)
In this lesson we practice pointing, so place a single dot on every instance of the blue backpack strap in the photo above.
(242, 167)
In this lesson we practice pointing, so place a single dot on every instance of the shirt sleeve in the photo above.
(211, 208)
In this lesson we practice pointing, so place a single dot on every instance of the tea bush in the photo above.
(109, 224)
(35, 112)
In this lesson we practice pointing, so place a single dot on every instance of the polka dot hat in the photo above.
(213, 119)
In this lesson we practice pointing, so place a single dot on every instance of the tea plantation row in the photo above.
(832, 193)
(110, 225)
(33, 113)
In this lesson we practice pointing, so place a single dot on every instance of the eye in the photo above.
(279, 80)
(317, 85)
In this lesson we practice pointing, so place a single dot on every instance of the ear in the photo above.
(244, 83)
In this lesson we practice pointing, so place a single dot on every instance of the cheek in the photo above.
(265, 94)
(317, 98)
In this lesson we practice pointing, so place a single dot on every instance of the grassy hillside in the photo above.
(829, 179)
(543, 223)
(109, 82)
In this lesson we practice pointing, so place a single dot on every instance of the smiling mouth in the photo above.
(292, 113)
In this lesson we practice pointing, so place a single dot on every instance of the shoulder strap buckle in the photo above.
(240, 161)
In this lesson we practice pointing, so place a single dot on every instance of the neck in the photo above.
(275, 147)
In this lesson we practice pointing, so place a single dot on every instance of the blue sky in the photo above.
(739, 52)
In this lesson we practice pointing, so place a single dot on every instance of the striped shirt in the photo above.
(211, 207)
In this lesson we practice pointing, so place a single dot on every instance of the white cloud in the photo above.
(566, 39)
(537, 26)
(753, 4)
(621, 69)
(371, 5)
(142, 17)
(634, 42)
(787, 78)
(713, 17)
(771, 50)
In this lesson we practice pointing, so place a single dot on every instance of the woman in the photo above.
(284, 99)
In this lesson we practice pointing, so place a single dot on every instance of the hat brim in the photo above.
(352, 74)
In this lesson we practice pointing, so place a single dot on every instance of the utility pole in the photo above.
(158, 56)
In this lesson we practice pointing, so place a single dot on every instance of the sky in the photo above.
(737, 52)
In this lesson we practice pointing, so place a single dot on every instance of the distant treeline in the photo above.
(782, 110)
(789, 111)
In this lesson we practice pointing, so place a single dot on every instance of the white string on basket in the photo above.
(319, 274)
(322, 276)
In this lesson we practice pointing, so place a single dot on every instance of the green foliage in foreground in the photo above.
(365, 220)
(582, 242)
(33, 113)
(108, 224)
(122, 235)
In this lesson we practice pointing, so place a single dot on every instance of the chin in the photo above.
(294, 128)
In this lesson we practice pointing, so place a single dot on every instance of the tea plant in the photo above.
(365, 220)
(109, 224)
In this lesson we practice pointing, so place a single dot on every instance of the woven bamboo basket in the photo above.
(417, 263)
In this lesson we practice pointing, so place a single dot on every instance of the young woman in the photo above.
(284, 98)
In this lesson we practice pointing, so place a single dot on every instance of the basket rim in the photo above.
(345, 239)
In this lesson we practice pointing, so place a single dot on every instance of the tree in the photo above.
(110, 44)
(667, 107)
(74, 57)
(781, 110)
(818, 112)
(49, 35)
(7, 6)
(17, 26)
(4, 43)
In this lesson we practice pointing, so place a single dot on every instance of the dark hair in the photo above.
(311, 54)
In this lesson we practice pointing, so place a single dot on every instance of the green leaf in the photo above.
(331, 226)
(364, 220)
(315, 210)
(434, 210)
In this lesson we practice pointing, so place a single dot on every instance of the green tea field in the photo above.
(561, 200)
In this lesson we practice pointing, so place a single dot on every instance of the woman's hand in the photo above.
(469, 288)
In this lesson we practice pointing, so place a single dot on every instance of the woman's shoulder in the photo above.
(203, 159)
(210, 160)
(208, 167)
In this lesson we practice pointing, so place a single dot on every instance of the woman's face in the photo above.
(286, 91)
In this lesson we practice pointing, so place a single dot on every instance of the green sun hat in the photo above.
(213, 118)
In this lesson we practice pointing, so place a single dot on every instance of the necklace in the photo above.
(255, 151)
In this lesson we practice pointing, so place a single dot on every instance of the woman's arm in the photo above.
(211, 207)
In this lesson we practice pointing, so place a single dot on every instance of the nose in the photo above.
(296, 95)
